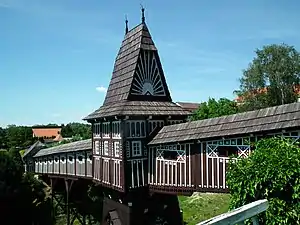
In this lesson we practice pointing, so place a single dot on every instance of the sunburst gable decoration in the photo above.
(147, 79)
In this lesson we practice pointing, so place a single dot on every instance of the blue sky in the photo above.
(57, 56)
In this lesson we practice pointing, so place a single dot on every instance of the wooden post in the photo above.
(68, 189)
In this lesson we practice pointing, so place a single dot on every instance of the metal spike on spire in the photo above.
(126, 24)
(143, 14)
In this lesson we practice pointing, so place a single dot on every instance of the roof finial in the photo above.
(143, 14)
(126, 24)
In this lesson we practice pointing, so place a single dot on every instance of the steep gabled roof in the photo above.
(136, 42)
(263, 120)
(137, 77)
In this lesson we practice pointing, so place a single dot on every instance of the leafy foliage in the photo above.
(25, 199)
(19, 136)
(271, 78)
(213, 108)
(272, 172)
(77, 130)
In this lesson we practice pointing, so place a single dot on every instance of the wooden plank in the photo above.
(239, 215)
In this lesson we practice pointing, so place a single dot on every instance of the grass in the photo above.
(203, 206)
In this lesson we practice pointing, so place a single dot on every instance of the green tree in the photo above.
(76, 130)
(3, 140)
(213, 108)
(270, 172)
(271, 78)
(23, 198)
(19, 136)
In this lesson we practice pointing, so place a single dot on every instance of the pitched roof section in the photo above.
(69, 147)
(132, 108)
(46, 132)
(35, 147)
(137, 70)
(190, 106)
(268, 119)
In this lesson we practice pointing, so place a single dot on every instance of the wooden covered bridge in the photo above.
(144, 152)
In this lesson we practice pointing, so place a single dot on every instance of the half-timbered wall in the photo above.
(170, 165)
(208, 162)
(70, 164)
(107, 154)
(50, 164)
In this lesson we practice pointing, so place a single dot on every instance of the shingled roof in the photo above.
(138, 80)
(134, 108)
(268, 119)
(69, 147)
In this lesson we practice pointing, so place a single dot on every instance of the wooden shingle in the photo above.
(263, 120)
(69, 147)
(119, 99)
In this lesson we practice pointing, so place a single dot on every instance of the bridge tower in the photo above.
(136, 106)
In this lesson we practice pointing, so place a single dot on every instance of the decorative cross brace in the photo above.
(159, 154)
(212, 150)
(243, 151)
(180, 155)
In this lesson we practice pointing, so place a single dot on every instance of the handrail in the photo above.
(240, 214)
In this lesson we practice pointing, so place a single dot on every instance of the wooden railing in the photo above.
(239, 215)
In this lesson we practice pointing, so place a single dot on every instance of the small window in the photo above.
(63, 159)
(143, 129)
(227, 151)
(127, 129)
(170, 155)
(136, 148)
(138, 129)
(106, 150)
(97, 147)
(56, 159)
(90, 157)
(70, 158)
(80, 158)
(117, 149)
(50, 160)
(133, 129)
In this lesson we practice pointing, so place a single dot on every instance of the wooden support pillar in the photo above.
(68, 186)
(53, 182)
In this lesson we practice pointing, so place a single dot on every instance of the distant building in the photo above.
(47, 134)
(190, 106)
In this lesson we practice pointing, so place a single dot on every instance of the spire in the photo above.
(126, 24)
(143, 14)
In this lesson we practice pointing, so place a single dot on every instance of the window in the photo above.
(56, 160)
(106, 129)
(70, 158)
(116, 132)
(136, 148)
(117, 149)
(154, 124)
(97, 130)
(227, 151)
(80, 158)
(135, 129)
(97, 148)
(106, 152)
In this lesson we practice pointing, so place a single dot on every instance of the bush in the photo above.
(271, 172)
